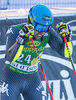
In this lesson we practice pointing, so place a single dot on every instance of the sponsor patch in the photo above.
(4, 88)
(47, 18)
(37, 43)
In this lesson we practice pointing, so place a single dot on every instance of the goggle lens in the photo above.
(41, 28)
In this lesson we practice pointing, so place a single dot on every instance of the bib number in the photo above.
(22, 58)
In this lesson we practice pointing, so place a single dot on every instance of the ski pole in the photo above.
(41, 68)
(69, 54)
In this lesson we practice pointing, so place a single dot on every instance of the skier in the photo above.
(20, 73)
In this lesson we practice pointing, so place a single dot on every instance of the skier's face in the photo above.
(37, 34)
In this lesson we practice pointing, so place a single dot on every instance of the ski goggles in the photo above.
(41, 28)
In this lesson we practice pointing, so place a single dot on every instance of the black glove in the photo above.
(24, 33)
(64, 29)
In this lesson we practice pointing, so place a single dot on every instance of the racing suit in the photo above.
(20, 73)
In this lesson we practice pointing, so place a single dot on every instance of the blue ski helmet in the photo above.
(41, 14)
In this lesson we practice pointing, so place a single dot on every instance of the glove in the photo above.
(64, 29)
(24, 33)
(27, 30)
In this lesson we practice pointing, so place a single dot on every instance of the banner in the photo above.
(58, 69)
